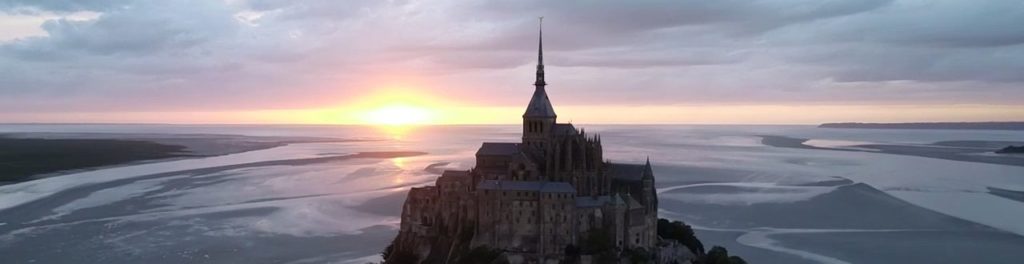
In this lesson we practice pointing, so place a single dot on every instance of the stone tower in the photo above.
(539, 119)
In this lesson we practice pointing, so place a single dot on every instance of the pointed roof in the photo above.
(540, 105)
(648, 171)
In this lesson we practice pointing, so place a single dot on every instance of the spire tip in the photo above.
(540, 54)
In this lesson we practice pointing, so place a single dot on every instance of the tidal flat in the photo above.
(338, 200)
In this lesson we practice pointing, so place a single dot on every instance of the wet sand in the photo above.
(145, 229)
(970, 151)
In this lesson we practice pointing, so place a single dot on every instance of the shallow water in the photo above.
(287, 205)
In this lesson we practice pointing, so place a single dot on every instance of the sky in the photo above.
(472, 62)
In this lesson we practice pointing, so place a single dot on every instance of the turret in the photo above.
(650, 196)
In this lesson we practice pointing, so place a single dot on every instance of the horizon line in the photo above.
(482, 124)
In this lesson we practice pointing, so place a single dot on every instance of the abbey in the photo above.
(533, 200)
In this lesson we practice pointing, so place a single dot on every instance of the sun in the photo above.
(398, 115)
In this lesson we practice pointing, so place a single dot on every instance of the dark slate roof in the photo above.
(633, 204)
(588, 201)
(453, 175)
(563, 129)
(534, 186)
(540, 105)
(533, 155)
(498, 149)
(626, 172)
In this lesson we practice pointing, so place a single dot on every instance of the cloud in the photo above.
(942, 23)
(926, 41)
(269, 54)
(61, 5)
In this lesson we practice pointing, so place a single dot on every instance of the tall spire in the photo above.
(540, 105)
(540, 56)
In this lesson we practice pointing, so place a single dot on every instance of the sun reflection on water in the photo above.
(400, 164)
(395, 132)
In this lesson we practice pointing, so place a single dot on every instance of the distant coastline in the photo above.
(935, 125)
(23, 158)
(30, 156)
(969, 151)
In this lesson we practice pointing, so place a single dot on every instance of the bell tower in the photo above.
(539, 119)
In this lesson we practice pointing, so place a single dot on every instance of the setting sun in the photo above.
(398, 115)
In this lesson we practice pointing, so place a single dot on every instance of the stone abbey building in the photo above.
(535, 198)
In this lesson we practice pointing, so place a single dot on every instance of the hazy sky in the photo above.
(679, 61)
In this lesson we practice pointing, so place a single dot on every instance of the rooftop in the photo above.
(540, 105)
(533, 186)
(453, 175)
(564, 129)
(498, 149)
(626, 172)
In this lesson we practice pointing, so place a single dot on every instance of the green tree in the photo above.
(597, 241)
(681, 232)
(387, 252)
(717, 255)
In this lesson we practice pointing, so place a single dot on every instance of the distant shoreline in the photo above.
(968, 151)
(30, 156)
(935, 125)
(26, 158)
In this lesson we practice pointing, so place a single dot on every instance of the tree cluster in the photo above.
(683, 233)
